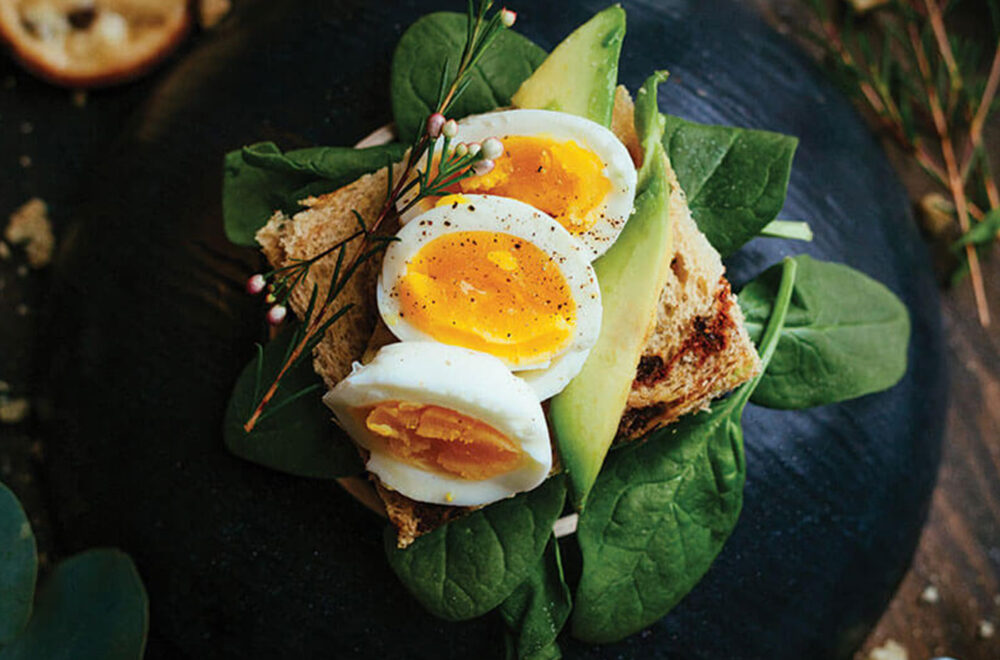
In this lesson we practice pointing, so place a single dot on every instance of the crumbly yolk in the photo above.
(491, 292)
(442, 440)
(560, 178)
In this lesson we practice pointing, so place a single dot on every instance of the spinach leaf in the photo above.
(983, 232)
(298, 438)
(259, 179)
(538, 609)
(846, 335)
(18, 566)
(790, 229)
(435, 41)
(93, 607)
(662, 509)
(469, 566)
(735, 178)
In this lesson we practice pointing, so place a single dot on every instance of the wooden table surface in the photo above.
(959, 551)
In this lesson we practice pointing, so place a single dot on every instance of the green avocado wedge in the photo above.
(632, 274)
(580, 75)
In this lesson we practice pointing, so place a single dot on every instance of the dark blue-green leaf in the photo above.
(299, 438)
(537, 610)
(661, 510)
(735, 178)
(93, 607)
(469, 566)
(437, 39)
(260, 179)
(846, 335)
(18, 567)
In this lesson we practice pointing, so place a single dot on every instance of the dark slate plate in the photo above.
(150, 327)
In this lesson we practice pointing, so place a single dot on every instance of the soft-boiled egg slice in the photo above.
(443, 424)
(571, 168)
(497, 276)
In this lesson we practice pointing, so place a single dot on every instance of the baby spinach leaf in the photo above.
(93, 607)
(538, 609)
(299, 438)
(469, 566)
(435, 41)
(18, 566)
(735, 178)
(662, 509)
(790, 229)
(259, 179)
(846, 335)
(982, 233)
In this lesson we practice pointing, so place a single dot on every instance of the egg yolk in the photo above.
(442, 440)
(490, 292)
(560, 178)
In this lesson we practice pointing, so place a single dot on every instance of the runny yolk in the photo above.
(491, 292)
(442, 440)
(560, 178)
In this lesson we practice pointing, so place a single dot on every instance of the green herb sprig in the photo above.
(926, 88)
(456, 163)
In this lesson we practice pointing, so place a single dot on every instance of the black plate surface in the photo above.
(150, 327)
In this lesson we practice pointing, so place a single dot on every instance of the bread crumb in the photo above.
(937, 214)
(211, 12)
(930, 595)
(4, 387)
(4, 251)
(13, 411)
(29, 225)
(891, 650)
(862, 6)
(986, 629)
(24, 161)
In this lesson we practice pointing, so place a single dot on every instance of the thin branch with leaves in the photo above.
(443, 167)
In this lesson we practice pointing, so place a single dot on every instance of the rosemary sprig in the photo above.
(443, 167)
(926, 89)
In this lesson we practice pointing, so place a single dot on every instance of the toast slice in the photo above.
(698, 349)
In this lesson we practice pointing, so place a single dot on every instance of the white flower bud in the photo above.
(492, 148)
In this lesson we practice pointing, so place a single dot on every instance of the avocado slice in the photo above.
(632, 274)
(580, 75)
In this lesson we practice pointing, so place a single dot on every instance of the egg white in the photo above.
(509, 216)
(471, 383)
(614, 210)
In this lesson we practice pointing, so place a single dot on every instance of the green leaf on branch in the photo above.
(537, 610)
(93, 607)
(846, 335)
(259, 179)
(18, 567)
(472, 564)
(300, 437)
(735, 179)
(434, 42)
(662, 509)
(983, 232)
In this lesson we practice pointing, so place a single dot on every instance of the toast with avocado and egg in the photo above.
(696, 350)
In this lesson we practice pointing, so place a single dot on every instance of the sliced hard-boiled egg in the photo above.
(444, 424)
(497, 276)
(571, 168)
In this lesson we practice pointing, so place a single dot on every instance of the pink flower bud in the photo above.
(256, 284)
(450, 129)
(507, 17)
(492, 148)
(434, 124)
(276, 314)
(270, 299)
(481, 167)
(475, 148)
